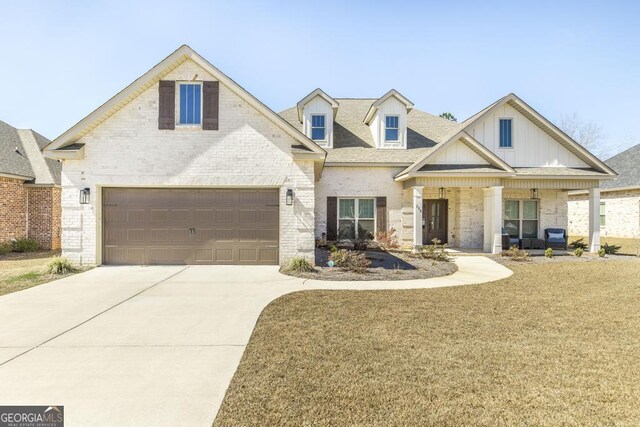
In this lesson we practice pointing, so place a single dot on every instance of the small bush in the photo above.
(387, 239)
(333, 248)
(5, 248)
(601, 252)
(436, 251)
(350, 260)
(579, 244)
(24, 245)
(611, 249)
(516, 254)
(578, 252)
(61, 265)
(548, 252)
(300, 265)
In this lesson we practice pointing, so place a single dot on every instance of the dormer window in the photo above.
(318, 127)
(190, 104)
(391, 129)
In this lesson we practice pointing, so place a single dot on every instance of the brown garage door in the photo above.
(190, 226)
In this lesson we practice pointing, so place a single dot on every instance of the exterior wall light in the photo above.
(85, 196)
(534, 193)
(289, 197)
(442, 193)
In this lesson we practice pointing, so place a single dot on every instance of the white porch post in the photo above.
(417, 216)
(493, 220)
(594, 219)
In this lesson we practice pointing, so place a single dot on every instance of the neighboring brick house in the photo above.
(29, 188)
(184, 166)
(619, 201)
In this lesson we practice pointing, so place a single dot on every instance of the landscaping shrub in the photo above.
(578, 252)
(601, 253)
(300, 265)
(548, 252)
(5, 248)
(61, 265)
(24, 245)
(333, 248)
(611, 249)
(350, 260)
(437, 251)
(579, 244)
(516, 254)
(387, 240)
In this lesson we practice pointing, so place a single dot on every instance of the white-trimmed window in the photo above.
(603, 215)
(392, 129)
(318, 127)
(356, 218)
(189, 104)
(506, 130)
(521, 218)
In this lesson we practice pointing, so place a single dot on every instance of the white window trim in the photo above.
(356, 211)
(521, 215)
(513, 125)
(603, 204)
(391, 142)
(177, 105)
(326, 136)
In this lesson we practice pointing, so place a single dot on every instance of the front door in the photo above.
(435, 216)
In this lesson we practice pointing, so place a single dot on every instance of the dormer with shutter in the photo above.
(316, 112)
(387, 119)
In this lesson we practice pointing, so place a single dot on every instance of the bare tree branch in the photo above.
(585, 132)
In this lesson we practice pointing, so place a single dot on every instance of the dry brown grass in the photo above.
(548, 346)
(20, 271)
(627, 246)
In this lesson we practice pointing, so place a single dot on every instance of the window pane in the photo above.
(317, 134)
(346, 229)
(190, 104)
(366, 228)
(346, 208)
(391, 121)
(365, 208)
(512, 228)
(505, 133)
(511, 209)
(530, 229)
(603, 217)
(530, 209)
(317, 121)
(391, 135)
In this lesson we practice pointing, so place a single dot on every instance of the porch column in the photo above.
(594, 219)
(417, 215)
(493, 220)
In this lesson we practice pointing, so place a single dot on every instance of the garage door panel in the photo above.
(185, 226)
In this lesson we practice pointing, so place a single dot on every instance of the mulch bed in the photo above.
(384, 266)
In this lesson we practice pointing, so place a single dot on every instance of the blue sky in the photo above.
(63, 59)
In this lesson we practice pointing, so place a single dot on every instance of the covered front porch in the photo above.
(473, 214)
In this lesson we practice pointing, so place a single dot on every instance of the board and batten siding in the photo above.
(458, 153)
(318, 105)
(532, 147)
(390, 107)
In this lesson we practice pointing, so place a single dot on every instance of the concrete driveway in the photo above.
(150, 345)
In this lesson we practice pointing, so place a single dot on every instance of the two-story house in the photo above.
(185, 166)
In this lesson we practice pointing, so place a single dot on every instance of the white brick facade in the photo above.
(248, 150)
(622, 214)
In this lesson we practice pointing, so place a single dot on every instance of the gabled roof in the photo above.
(539, 120)
(21, 156)
(322, 94)
(627, 164)
(495, 163)
(392, 93)
(171, 62)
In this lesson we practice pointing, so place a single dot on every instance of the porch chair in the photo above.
(555, 238)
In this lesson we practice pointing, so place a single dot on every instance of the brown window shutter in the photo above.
(332, 218)
(381, 214)
(210, 102)
(167, 105)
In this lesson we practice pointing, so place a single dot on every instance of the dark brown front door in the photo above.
(435, 215)
(190, 226)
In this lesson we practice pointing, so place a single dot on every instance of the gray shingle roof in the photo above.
(353, 142)
(627, 165)
(21, 155)
(560, 171)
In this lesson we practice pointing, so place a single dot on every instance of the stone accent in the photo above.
(622, 214)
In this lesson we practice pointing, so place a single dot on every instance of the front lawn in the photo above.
(551, 345)
(20, 271)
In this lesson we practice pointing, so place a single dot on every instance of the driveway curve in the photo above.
(152, 345)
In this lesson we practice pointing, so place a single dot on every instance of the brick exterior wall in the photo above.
(29, 211)
(248, 150)
(622, 214)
